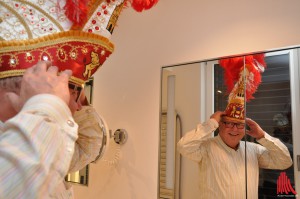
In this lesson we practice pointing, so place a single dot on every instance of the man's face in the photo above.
(231, 132)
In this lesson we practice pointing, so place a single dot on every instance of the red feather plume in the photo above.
(77, 11)
(140, 5)
(233, 71)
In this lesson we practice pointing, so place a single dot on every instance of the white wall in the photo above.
(127, 88)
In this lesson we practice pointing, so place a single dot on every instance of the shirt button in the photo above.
(70, 123)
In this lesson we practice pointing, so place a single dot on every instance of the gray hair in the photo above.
(11, 84)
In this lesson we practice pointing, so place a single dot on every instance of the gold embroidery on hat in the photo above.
(73, 54)
(12, 73)
(29, 57)
(45, 56)
(20, 18)
(44, 13)
(13, 61)
(95, 62)
(76, 80)
(56, 38)
(84, 50)
(44, 45)
(62, 55)
(114, 18)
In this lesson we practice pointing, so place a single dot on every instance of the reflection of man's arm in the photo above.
(274, 154)
(89, 140)
(190, 144)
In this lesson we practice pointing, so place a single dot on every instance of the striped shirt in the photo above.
(222, 169)
(36, 147)
(87, 147)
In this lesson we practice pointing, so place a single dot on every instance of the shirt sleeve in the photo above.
(36, 147)
(273, 154)
(89, 140)
(190, 144)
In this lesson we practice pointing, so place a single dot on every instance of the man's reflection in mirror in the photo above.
(282, 131)
(228, 167)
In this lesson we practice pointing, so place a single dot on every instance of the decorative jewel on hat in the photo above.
(237, 79)
(72, 34)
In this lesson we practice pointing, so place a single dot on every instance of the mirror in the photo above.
(82, 176)
(191, 92)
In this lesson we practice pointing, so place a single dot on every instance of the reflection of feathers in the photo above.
(233, 72)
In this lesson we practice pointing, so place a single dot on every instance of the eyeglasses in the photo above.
(77, 90)
(231, 125)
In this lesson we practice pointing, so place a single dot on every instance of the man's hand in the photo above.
(217, 116)
(42, 79)
(255, 130)
(82, 98)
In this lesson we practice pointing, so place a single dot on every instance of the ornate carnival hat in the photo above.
(72, 34)
(242, 78)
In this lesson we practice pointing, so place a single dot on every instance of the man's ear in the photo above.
(14, 100)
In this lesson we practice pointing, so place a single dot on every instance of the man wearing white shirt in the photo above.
(229, 167)
(43, 142)
(221, 159)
